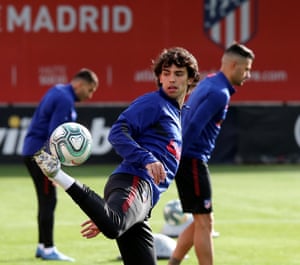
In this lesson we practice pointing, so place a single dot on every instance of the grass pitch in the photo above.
(257, 212)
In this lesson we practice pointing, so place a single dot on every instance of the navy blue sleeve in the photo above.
(196, 122)
(127, 132)
(59, 109)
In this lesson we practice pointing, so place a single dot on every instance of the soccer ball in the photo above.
(173, 213)
(164, 246)
(71, 143)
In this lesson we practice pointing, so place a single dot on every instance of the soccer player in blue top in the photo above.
(205, 111)
(55, 108)
(147, 135)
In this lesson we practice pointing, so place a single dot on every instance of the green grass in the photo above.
(257, 212)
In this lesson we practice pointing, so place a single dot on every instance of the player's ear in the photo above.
(190, 81)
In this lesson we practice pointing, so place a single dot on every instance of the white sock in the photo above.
(49, 250)
(64, 180)
(41, 246)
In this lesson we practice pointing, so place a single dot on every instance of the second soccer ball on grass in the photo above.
(173, 213)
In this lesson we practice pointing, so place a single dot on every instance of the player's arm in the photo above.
(201, 116)
(126, 129)
(129, 127)
(60, 113)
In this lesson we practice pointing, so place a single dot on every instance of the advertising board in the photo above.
(46, 42)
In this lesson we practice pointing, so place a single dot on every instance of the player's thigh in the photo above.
(129, 196)
(194, 187)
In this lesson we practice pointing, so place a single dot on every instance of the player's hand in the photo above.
(90, 230)
(157, 171)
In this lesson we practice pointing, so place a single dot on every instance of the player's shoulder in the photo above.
(58, 91)
(58, 96)
(148, 98)
(216, 90)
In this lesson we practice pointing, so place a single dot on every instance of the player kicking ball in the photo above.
(147, 135)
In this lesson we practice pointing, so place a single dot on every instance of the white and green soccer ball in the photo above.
(173, 213)
(71, 142)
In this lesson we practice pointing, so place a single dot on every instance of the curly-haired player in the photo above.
(147, 135)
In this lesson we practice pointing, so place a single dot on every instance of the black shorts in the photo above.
(121, 215)
(193, 185)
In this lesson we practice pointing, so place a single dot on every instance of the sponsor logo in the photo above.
(52, 74)
(12, 137)
(228, 21)
(207, 204)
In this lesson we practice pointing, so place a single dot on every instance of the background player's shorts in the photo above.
(193, 185)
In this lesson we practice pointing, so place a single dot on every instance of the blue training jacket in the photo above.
(203, 114)
(56, 107)
(149, 130)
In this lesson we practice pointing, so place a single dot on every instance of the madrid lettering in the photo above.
(67, 18)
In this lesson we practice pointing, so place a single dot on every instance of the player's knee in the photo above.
(110, 229)
(112, 233)
(203, 221)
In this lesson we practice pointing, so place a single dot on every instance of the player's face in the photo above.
(85, 90)
(175, 82)
(241, 72)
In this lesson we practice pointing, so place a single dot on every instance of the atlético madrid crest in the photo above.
(226, 21)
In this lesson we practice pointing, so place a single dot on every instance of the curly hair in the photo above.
(179, 57)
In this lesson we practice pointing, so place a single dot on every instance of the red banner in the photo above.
(46, 43)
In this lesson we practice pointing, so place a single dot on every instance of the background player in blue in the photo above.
(147, 135)
(55, 108)
(205, 111)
